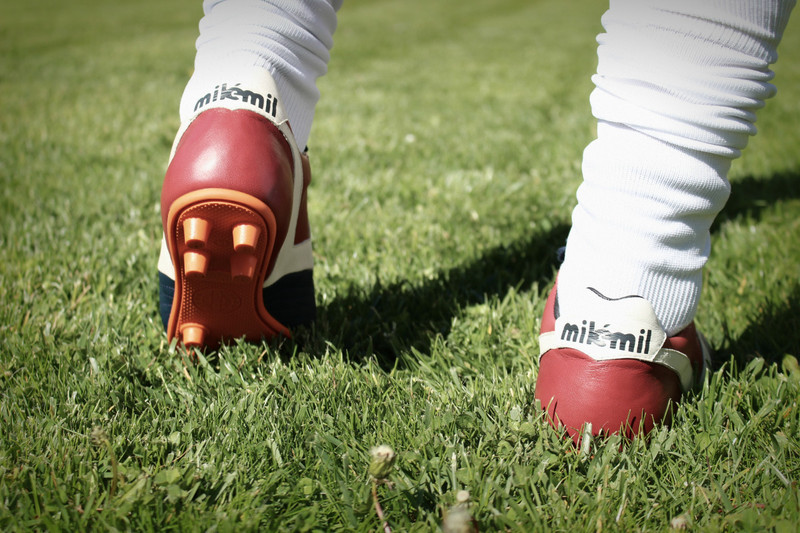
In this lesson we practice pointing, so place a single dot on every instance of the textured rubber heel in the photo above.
(220, 242)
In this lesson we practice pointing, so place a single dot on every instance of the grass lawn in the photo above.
(446, 153)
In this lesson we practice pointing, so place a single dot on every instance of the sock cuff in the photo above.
(674, 298)
(689, 73)
(286, 39)
(677, 88)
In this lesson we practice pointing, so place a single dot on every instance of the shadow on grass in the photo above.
(774, 333)
(771, 335)
(750, 196)
(387, 320)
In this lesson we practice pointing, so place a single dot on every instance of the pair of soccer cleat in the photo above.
(236, 262)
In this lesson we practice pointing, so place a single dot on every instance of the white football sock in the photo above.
(677, 87)
(291, 39)
(241, 40)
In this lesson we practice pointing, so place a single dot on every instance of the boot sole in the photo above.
(220, 242)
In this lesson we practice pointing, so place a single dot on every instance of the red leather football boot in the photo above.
(610, 365)
(236, 259)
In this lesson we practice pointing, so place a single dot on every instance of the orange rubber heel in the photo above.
(220, 242)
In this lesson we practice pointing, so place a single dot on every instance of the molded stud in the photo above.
(196, 232)
(195, 263)
(245, 237)
(193, 335)
(243, 266)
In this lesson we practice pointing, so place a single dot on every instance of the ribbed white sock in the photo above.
(241, 41)
(677, 87)
(291, 39)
